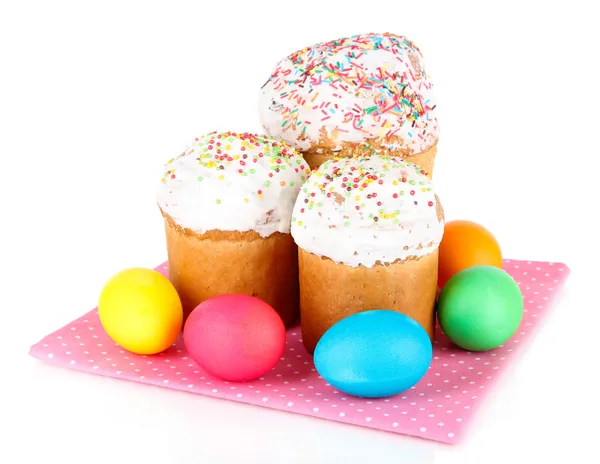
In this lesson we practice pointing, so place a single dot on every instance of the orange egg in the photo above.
(466, 244)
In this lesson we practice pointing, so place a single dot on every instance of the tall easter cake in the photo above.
(227, 203)
(368, 230)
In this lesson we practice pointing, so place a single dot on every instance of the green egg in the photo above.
(480, 308)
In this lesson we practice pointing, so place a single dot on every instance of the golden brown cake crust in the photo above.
(425, 159)
(330, 292)
(215, 235)
(218, 262)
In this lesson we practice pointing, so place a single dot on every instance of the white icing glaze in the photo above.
(371, 86)
(367, 210)
(233, 182)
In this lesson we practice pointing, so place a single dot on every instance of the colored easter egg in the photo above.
(480, 308)
(466, 244)
(374, 354)
(140, 310)
(235, 337)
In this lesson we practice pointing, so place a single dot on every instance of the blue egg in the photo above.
(374, 354)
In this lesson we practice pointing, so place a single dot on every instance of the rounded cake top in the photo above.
(368, 210)
(233, 182)
(369, 88)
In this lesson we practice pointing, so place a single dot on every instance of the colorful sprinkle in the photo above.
(362, 202)
(335, 88)
(233, 181)
(341, 180)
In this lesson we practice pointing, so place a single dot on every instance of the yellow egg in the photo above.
(141, 311)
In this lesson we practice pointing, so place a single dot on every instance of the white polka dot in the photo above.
(290, 404)
(462, 375)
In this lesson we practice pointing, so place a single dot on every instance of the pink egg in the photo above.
(235, 337)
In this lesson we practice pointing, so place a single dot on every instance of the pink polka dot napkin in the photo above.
(439, 407)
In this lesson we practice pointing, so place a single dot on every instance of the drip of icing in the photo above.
(233, 182)
(363, 88)
(367, 210)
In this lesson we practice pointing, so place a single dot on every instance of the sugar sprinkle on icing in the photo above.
(367, 210)
(370, 87)
(233, 182)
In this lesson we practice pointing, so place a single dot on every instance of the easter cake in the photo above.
(227, 202)
(358, 95)
(368, 230)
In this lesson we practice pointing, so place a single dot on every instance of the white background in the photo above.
(95, 97)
